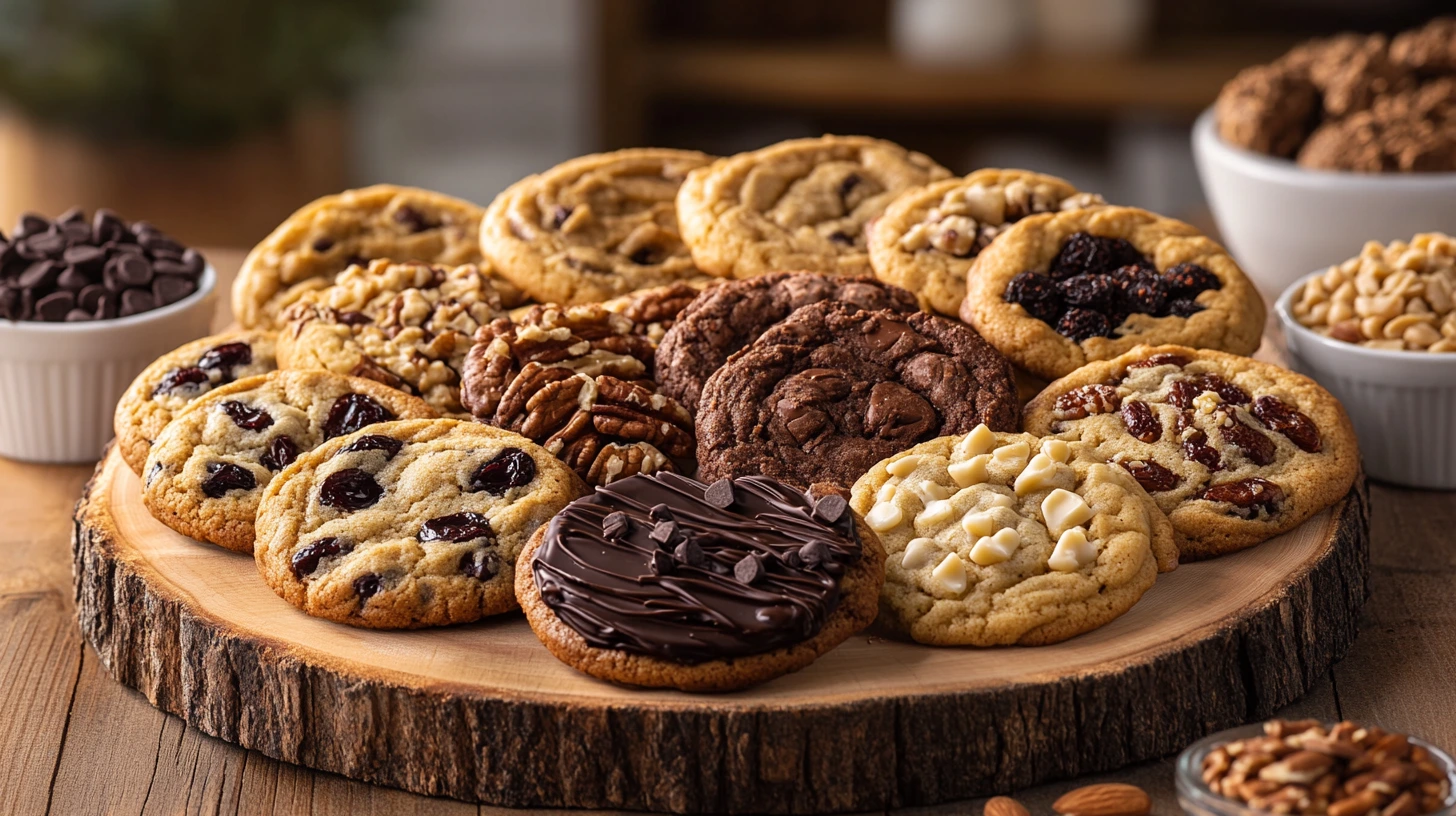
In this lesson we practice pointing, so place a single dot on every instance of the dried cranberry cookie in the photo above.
(928, 237)
(1234, 450)
(408, 524)
(210, 465)
(181, 376)
(1056, 291)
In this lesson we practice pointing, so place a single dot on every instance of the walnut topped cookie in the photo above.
(928, 237)
(996, 539)
(406, 325)
(1056, 291)
(594, 227)
(1234, 450)
(800, 204)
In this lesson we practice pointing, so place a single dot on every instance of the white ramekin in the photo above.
(1403, 403)
(1280, 220)
(59, 382)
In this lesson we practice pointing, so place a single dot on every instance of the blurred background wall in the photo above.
(217, 119)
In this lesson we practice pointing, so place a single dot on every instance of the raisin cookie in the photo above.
(407, 325)
(1000, 539)
(1234, 450)
(594, 227)
(408, 524)
(833, 389)
(577, 380)
(800, 204)
(1056, 291)
(666, 582)
(928, 237)
(208, 468)
(354, 227)
(734, 314)
(181, 376)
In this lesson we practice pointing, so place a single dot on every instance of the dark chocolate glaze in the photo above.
(665, 584)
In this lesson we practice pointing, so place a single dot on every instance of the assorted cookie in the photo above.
(666, 582)
(930, 236)
(799, 204)
(208, 468)
(408, 524)
(825, 394)
(1233, 450)
(995, 539)
(1057, 291)
(406, 325)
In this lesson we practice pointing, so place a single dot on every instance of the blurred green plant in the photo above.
(185, 71)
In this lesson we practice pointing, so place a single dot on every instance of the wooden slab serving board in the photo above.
(485, 713)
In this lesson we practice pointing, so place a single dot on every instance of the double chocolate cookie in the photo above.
(825, 394)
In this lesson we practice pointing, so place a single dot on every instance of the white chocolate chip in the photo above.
(935, 512)
(980, 440)
(951, 573)
(1001, 500)
(1073, 551)
(1058, 450)
(1038, 472)
(1013, 455)
(886, 491)
(884, 517)
(994, 549)
(972, 471)
(933, 491)
(979, 524)
(1063, 510)
(917, 553)
(903, 466)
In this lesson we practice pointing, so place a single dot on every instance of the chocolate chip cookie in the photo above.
(208, 468)
(180, 376)
(408, 524)
(406, 325)
(833, 389)
(1000, 539)
(1234, 450)
(733, 315)
(1056, 291)
(594, 227)
(928, 237)
(666, 582)
(800, 204)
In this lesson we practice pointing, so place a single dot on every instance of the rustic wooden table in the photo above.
(72, 741)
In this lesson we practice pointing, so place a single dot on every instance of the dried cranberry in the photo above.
(482, 566)
(306, 560)
(367, 586)
(1155, 360)
(456, 527)
(350, 489)
(1037, 294)
(1141, 422)
(180, 378)
(1152, 476)
(226, 357)
(1080, 324)
(1084, 253)
(510, 468)
(1093, 292)
(246, 416)
(1278, 415)
(1226, 391)
(389, 445)
(1182, 393)
(280, 454)
(1184, 307)
(1247, 493)
(352, 412)
(1141, 289)
(1259, 448)
(1186, 280)
(225, 476)
(1087, 400)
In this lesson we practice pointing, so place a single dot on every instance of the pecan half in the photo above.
(1278, 415)
(1085, 401)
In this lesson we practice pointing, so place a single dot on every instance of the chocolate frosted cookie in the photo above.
(594, 227)
(666, 582)
(733, 315)
(799, 204)
(181, 376)
(207, 470)
(833, 389)
(408, 524)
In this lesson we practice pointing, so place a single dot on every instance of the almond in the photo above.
(1108, 799)
(1004, 806)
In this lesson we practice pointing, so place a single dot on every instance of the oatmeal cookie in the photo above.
(833, 389)
(594, 227)
(408, 524)
(800, 204)
(1234, 450)
(181, 376)
(1057, 291)
(208, 468)
(996, 539)
(666, 582)
(406, 325)
(928, 237)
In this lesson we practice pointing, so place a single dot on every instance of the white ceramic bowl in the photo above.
(1403, 403)
(1280, 220)
(59, 382)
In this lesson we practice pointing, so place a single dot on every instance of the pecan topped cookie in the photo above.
(594, 227)
(406, 325)
(928, 237)
(1234, 450)
(799, 204)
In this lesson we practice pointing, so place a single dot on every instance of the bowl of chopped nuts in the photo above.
(1311, 767)
(1379, 332)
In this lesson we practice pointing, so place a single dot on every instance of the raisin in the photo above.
(1152, 476)
(352, 412)
(1141, 422)
(1184, 307)
(225, 358)
(350, 489)
(1080, 324)
(367, 586)
(412, 219)
(1251, 492)
(1259, 448)
(1087, 400)
(225, 476)
(646, 256)
(842, 238)
(1226, 391)
(482, 566)
(247, 417)
(1278, 415)
(280, 454)
(456, 527)
(1037, 294)
(1155, 360)
(1141, 289)
(559, 215)
(323, 244)
(307, 559)
(179, 378)
(370, 442)
(1181, 394)
(1084, 253)
(1093, 292)
(1186, 280)
(849, 183)
(510, 468)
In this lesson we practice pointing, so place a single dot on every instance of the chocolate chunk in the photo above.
(720, 494)
(73, 278)
(107, 307)
(136, 301)
(107, 226)
(132, 270)
(167, 266)
(689, 553)
(90, 296)
(482, 566)
(77, 316)
(367, 586)
(10, 304)
(171, 288)
(50, 245)
(616, 525)
(30, 224)
(53, 307)
(88, 257)
(40, 275)
(74, 215)
(830, 509)
(749, 569)
(815, 552)
(664, 533)
(193, 261)
(660, 512)
(660, 563)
